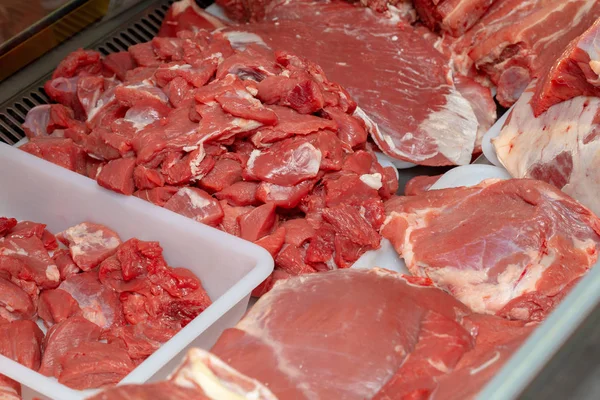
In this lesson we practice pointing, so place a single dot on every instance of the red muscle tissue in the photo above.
(103, 319)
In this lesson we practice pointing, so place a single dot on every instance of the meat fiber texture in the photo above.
(515, 41)
(402, 338)
(259, 144)
(107, 305)
(511, 248)
(404, 86)
(201, 376)
(561, 146)
(452, 16)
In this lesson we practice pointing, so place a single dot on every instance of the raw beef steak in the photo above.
(560, 147)
(418, 113)
(401, 335)
(507, 247)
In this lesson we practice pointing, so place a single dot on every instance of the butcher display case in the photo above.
(560, 360)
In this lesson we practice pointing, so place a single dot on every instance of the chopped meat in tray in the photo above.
(234, 136)
(102, 320)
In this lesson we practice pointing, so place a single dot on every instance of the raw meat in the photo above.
(563, 153)
(94, 364)
(442, 126)
(56, 305)
(399, 332)
(420, 184)
(27, 259)
(196, 204)
(20, 341)
(15, 304)
(507, 247)
(516, 40)
(98, 303)
(201, 376)
(453, 16)
(89, 243)
(62, 337)
(576, 73)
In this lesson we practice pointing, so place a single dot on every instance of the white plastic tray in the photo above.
(229, 267)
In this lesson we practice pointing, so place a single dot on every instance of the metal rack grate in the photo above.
(139, 29)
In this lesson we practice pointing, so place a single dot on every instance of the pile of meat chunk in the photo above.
(106, 304)
(256, 143)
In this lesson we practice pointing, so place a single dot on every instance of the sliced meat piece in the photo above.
(142, 339)
(15, 304)
(351, 130)
(98, 303)
(225, 173)
(144, 55)
(27, 229)
(147, 178)
(575, 73)
(185, 17)
(6, 224)
(66, 266)
(117, 175)
(196, 204)
(179, 168)
(90, 243)
(420, 184)
(301, 94)
(21, 341)
(55, 306)
(349, 303)
(28, 259)
(92, 365)
(298, 231)
(84, 62)
(241, 103)
(481, 100)
(258, 222)
(291, 259)
(118, 64)
(43, 120)
(536, 241)
(284, 196)
(239, 194)
(286, 163)
(273, 242)
(231, 214)
(159, 196)
(62, 337)
(60, 151)
(291, 123)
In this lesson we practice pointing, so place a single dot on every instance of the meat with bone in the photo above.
(420, 116)
(516, 40)
(507, 247)
(401, 336)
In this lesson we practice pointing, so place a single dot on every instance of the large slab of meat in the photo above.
(259, 144)
(201, 376)
(107, 304)
(512, 248)
(362, 334)
(396, 76)
(552, 132)
(515, 40)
